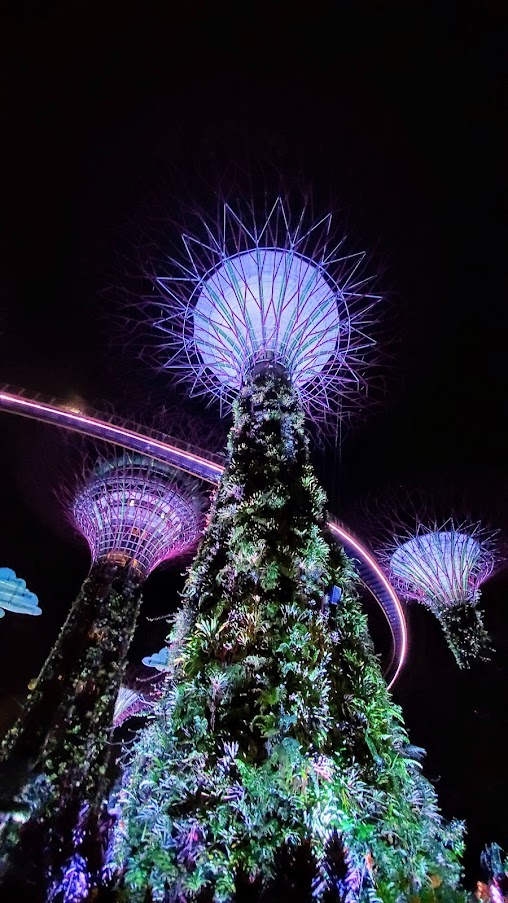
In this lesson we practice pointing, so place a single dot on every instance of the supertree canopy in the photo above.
(133, 509)
(280, 291)
(137, 694)
(134, 513)
(129, 703)
(443, 567)
(140, 687)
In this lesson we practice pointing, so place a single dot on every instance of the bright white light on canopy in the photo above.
(271, 291)
(266, 305)
(135, 509)
(441, 567)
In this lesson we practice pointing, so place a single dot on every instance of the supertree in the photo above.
(140, 688)
(442, 566)
(275, 761)
(129, 703)
(134, 513)
(14, 596)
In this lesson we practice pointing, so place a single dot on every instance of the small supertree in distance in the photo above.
(135, 514)
(129, 703)
(442, 566)
(14, 596)
(140, 688)
(275, 762)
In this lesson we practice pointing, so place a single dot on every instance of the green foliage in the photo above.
(56, 757)
(276, 731)
(465, 632)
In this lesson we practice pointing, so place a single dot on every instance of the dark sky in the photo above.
(114, 115)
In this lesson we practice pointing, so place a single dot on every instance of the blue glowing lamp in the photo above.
(14, 596)
(159, 661)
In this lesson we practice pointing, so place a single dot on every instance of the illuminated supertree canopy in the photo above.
(135, 514)
(443, 568)
(137, 700)
(272, 700)
(137, 697)
(256, 291)
(14, 596)
(128, 703)
(139, 691)
(135, 509)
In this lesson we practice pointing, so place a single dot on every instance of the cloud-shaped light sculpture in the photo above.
(159, 660)
(14, 596)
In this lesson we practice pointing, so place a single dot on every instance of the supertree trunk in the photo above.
(276, 733)
(464, 632)
(55, 759)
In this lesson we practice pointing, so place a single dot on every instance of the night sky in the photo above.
(114, 117)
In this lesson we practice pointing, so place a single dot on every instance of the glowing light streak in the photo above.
(393, 612)
(372, 576)
(100, 429)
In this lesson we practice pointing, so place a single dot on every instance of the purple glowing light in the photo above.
(267, 304)
(128, 704)
(99, 428)
(134, 508)
(371, 574)
(442, 567)
(391, 606)
(251, 294)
